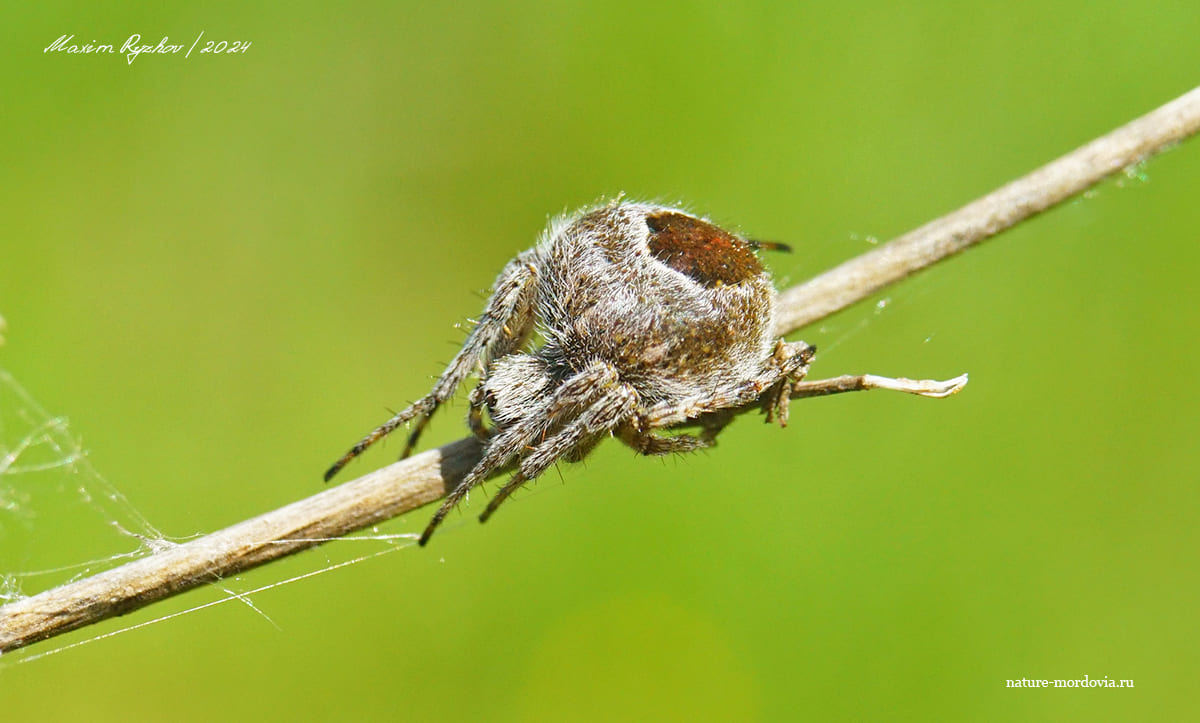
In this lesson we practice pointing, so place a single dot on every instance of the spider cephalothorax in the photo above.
(650, 318)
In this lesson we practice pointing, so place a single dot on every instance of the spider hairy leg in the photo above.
(609, 410)
(512, 485)
(423, 407)
(588, 403)
(613, 406)
(789, 361)
(655, 445)
(505, 324)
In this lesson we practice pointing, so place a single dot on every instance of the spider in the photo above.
(650, 319)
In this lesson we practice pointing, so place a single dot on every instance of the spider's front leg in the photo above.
(609, 407)
(548, 427)
(505, 324)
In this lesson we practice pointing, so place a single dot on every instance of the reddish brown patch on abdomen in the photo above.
(706, 253)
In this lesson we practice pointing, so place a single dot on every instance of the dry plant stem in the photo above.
(426, 477)
(1051, 184)
(863, 382)
(337, 511)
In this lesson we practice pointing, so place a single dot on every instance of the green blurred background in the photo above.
(224, 270)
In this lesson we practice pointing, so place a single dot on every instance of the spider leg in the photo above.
(672, 413)
(610, 409)
(640, 436)
(613, 406)
(583, 449)
(456, 495)
(512, 485)
(505, 324)
(500, 451)
(713, 423)
(475, 414)
(789, 362)
(411, 443)
(576, 392)
(646, 442)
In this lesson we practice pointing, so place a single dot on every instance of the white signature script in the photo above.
(133, 47)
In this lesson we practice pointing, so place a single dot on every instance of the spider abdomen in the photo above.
(671, 301)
